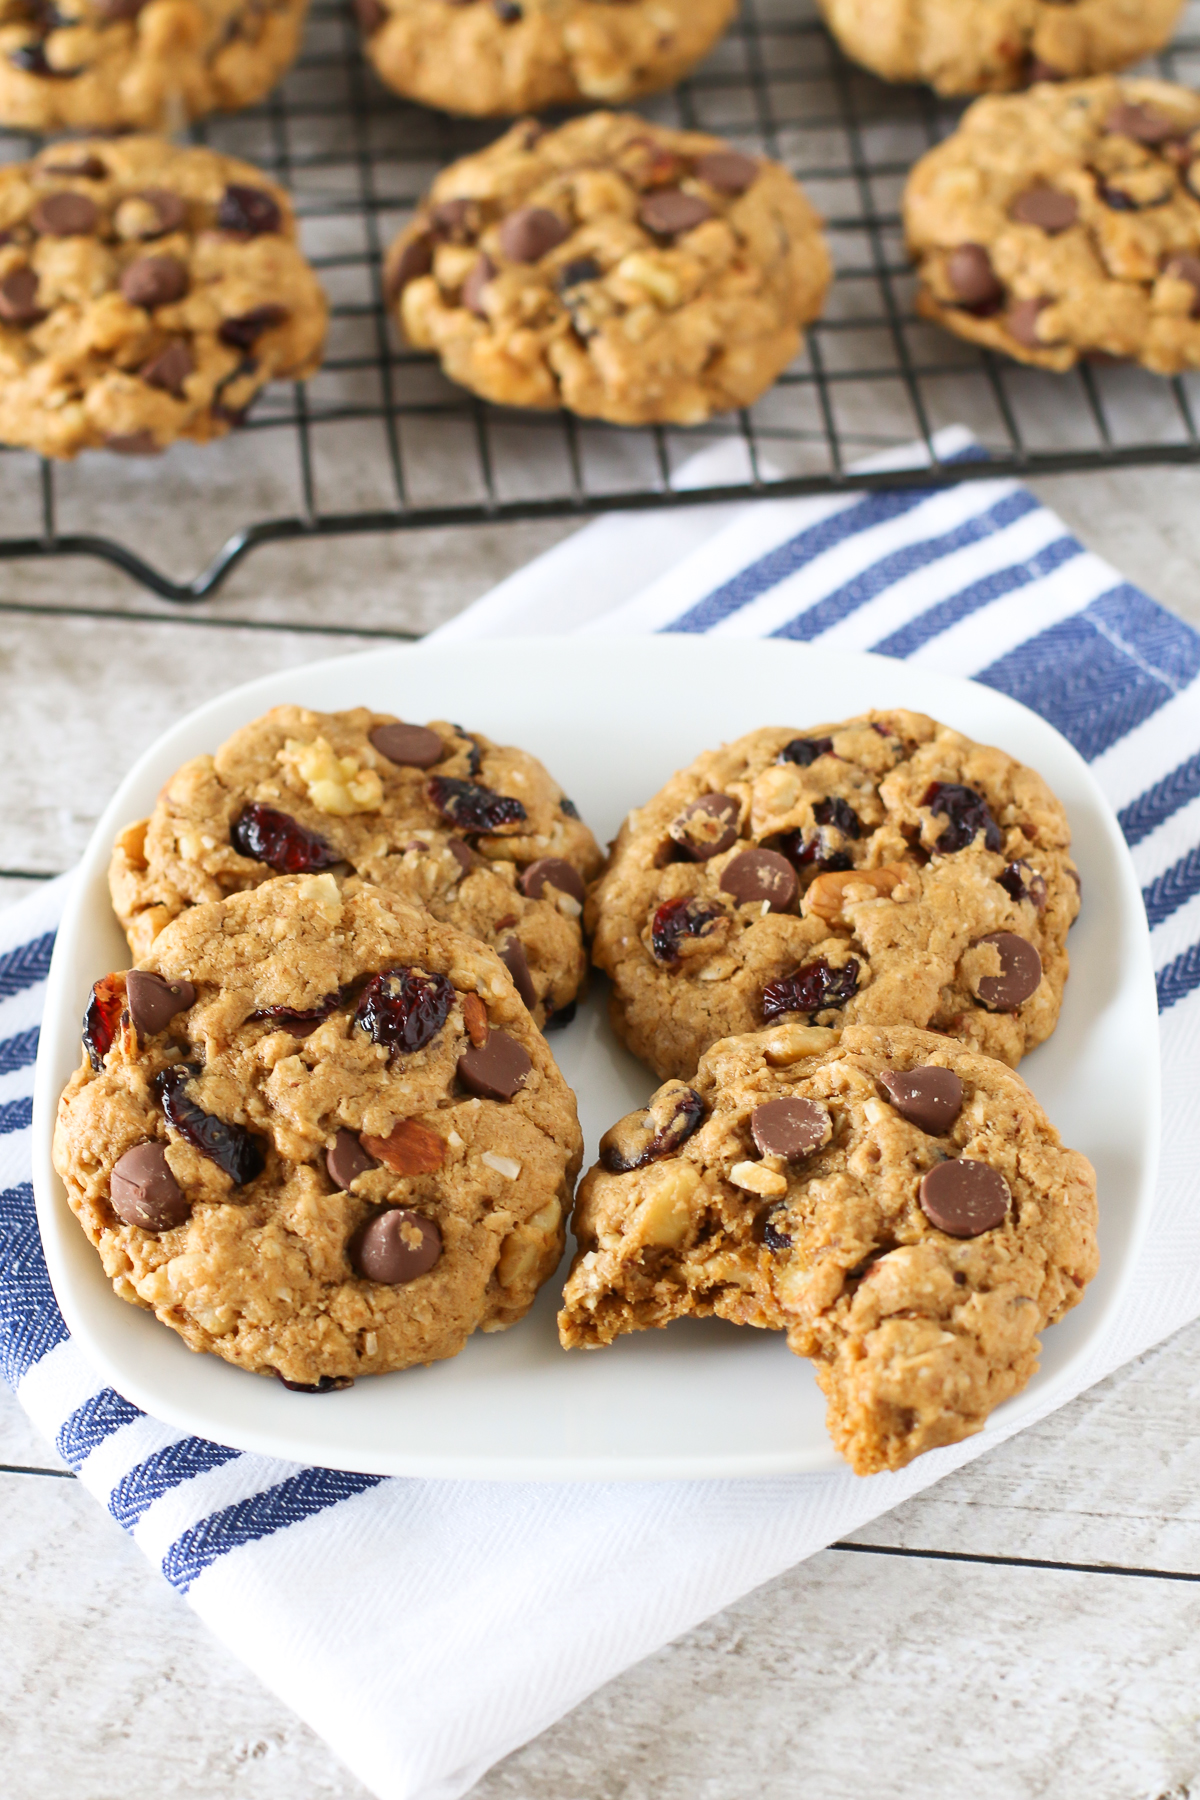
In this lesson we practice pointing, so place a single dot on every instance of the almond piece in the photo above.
(824, 896)
(408, 1149)
(475, 1019)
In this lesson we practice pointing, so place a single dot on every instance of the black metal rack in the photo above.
(380, 441)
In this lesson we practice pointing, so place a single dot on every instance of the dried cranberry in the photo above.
(806, 750)
(770, 1234)
(1022, 882)
(280, 841)
(249, 211)
(967, 814)
(474, 808)
(234, 1149)
(559, 1016)
(403, 1008)
(327, 1384)
(644, 1137)
(102, 1019)
(300, 1021)
(677, 919)
(568, 808)
(817, 851)
(810, 989)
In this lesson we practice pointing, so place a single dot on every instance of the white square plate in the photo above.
(613, 719)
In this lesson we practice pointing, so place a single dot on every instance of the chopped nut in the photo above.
(508, 1166)
(793, 1042)
(666, 1213)
(409, 1148)
(825, 895)
(756, 1178)
(334, 784)
(475, 1019)
(323, 893)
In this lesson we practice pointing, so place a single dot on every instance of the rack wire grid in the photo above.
(379, 440)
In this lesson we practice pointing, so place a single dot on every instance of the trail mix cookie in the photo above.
(885, 871)
(971, 46)
(898, 1204)
(476, 832)
(1064, 223)
(147, 293)
(318, 1134)
(104, 65)
(612, 267)
(514, 56)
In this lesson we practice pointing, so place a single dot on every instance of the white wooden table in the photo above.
(1028, 1629)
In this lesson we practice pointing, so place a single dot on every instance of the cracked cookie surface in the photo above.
(883, 871)
(106, 65)
(512, 56)
(477, 833)
(1065, 222)
(318, 1134)
(973, 46)
(615, 268)
(897, 1204)
(147, 293)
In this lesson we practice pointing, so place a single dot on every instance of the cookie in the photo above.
(147, 293)
(318, 1134)
(974, 46)
(513, 56)
(611, 267)
(1064, 223)
(899, 1205)
(885, 871)
(111, 65)
(477, 833)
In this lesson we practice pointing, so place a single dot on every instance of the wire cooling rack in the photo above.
(380, 441)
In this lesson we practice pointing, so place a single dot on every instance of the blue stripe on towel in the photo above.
(1173, 888)
(1179, 978)
(88, 1426)
(148, 1481)
(259, 1516)
(981, 593)
(15, 1115)
(1161, 801)
(27, 963)
(19, 1051)
(30, 1322)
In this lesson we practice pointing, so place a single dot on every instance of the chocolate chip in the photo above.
(708, 827)
(1046, 207)
(154, 281)
(478, 276)
(1021, 322)
(396, 1247)
(132, 443)
(529, 234)
(328, 1384)
(494, 1070)
(964, 1198)
(249, 211)
(659, 1130)
(555, 871)
(669, 211)
(1020, 972)
(244, 331)
(408, 746)
(462, 853)
(87, 168)
(453, 221)
(143, 1192)
(347, 1159)
(970, 273)
(574, 273)
(1145, 124)
(507, 11)
(415, 259)
(1186, 268)
(758, 875)
(727, 170)
(169, 208)
(153, 1001)
(929, 1097)
(170, 368)
(18, 298)
(790, 1128)
(370, 15)
(513, 957)
(65, 215)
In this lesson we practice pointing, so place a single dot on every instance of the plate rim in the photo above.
(251, 698)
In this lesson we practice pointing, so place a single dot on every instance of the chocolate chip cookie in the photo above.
(898, 1204)
(885, 871)
(615, 268)
(973, 46)
(108, 65)
(317, 1133)
(147, 293)
(1064, 223)
(513, 56)
(476, 832)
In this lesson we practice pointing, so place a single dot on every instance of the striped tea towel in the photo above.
(427, 1628)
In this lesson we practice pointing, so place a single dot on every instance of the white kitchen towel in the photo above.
(427, 1628)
